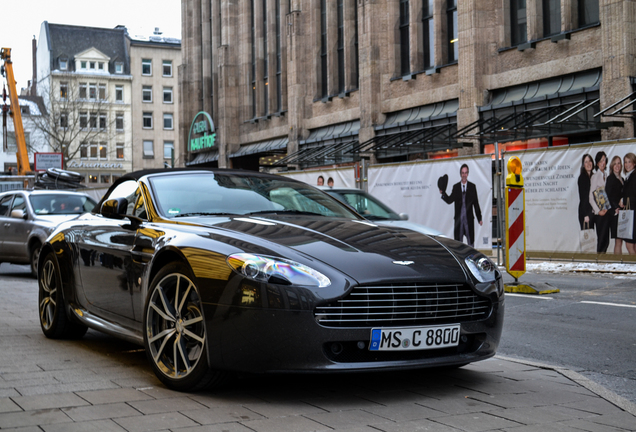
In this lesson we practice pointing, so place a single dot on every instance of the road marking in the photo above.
(609, 304)
(529, 296)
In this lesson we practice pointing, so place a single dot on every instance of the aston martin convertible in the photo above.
(218, 271)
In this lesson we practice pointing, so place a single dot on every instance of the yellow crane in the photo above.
(22, 155)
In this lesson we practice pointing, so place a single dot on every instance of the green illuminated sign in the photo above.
(202, 135)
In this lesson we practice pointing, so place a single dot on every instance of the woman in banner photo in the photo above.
(629, 195)
(614, 189)
(600, 202)
(584, 182)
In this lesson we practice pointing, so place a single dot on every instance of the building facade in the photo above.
(154, 63)
(305, 83)
(84, 77)
(31, 109)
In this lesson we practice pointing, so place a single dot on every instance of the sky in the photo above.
(22, 19)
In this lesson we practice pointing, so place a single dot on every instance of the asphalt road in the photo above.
(587, 327)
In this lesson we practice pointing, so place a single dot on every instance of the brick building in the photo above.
(316, 83)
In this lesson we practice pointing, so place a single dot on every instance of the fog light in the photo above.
(336, 348)
(361, 345)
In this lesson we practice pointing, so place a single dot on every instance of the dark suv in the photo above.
(28, 217)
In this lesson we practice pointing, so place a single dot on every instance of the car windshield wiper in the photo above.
(205, 214)
(288, 211)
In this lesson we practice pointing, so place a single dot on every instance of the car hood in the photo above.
(55, 219)
(410, 225)
(360, 249)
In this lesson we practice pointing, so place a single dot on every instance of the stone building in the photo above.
(308, 83)
(154, 63)
(85, 80)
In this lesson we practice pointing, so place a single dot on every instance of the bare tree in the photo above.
(78, 114)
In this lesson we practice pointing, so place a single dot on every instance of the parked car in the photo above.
(219, 271)
(375, 210)
(28, 217)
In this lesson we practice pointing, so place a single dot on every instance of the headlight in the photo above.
(481, 267)
(276, 270)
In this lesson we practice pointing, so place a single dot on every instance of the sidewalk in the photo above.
(102, 384)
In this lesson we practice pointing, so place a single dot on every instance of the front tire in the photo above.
(53, 320)
(174, 331)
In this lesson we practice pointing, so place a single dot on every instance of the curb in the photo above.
(533, 288)
(599, 390)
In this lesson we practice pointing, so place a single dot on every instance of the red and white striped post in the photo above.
(515, 220)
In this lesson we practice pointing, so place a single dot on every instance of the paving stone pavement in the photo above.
(102, 384)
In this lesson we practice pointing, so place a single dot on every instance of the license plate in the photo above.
(414, 338)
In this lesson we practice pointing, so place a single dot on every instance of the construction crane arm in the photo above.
(22, 155)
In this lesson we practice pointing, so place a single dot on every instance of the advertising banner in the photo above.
(559, 197)
(342, 177)
(453, 196)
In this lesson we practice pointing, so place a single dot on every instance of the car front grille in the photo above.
(404, 305)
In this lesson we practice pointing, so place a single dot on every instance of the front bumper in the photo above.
(277, 340)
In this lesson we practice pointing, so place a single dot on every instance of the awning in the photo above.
(418, 115)
(311, 156)
(332, 134)
(204, 157)
(261, 147)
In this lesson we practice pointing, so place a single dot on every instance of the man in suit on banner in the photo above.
(464, 195)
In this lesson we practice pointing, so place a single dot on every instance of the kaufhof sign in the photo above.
(201, 135)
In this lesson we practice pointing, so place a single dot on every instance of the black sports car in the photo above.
(215, 271)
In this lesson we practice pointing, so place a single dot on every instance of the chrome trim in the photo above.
(92, 321)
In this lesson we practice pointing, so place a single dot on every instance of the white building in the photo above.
(85, 81)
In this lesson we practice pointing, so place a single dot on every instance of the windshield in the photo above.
(56, 204)
(365, 204)
(210, 193)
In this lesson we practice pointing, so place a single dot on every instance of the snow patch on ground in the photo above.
(622, 269)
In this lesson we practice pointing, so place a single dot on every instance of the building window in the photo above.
(102, 122)
(103, 151)
(83, 151)
(167, 95)
(119, 93)
(518, 23)
(167, 68)
(149, 151)
(92, 91)
(279, 62)
(63, 64)
(253, 46)
(405, 60)
(83, 64)
(63, 120)
(92, 65)
(356, 69)
(551, 17)
(102, 92)
(428, 32)
(92, 178)
(63, 90)
(119, 68)
(83, 120)
(324, 88)
(168, 121)
(147, 120)
(93, 150)
(100, 65)
(265, 62)
(83, 90)
(119, 150)
(146, 94)
(451, 18)
(168, 149)
(104, 178)
(119, 122)
(340, 47)
(146, 67)
(93, 121)
(588, 12)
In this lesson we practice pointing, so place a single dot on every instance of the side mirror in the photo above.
(404, 216)
(114, 208)
(19, 214)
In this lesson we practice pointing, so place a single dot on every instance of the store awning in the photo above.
(311, 156)
(204, 157)
(332, 134)
(261, 147)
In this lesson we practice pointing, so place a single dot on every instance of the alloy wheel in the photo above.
(174, 326)
(48, 294)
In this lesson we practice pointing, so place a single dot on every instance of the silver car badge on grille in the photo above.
(404, 263)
